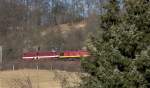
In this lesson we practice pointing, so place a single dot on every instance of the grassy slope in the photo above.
(41, 78)
(66, 27)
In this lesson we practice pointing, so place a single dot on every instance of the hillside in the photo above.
(65, 28)
(57, 37)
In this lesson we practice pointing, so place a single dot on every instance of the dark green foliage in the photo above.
(121, 56)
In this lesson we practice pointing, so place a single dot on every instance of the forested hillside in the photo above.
(26, 25)
(114, 33)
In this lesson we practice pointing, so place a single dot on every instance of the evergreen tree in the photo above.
(120, 53)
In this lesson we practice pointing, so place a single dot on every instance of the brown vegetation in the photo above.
(38, 79)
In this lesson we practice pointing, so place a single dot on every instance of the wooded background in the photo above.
(22, 23)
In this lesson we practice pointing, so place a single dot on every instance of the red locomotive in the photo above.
(74, 54)
(54, 55)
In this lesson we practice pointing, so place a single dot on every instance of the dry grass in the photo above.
(65, 28)
(38, 79)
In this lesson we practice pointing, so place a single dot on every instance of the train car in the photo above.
(51, 55)
(48, 55)
(29, 56)
(74, 54)
(40, 55)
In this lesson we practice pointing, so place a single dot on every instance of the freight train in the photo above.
(51, 55)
